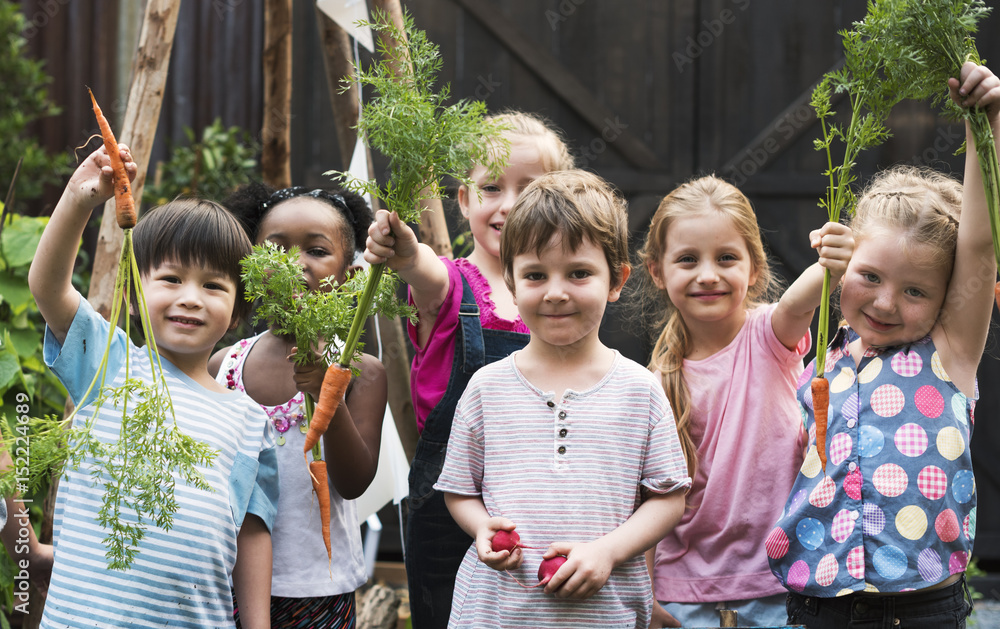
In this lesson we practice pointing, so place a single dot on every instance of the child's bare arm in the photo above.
(588, 565)
(969, 302)
(393, 242)
(252, 573)
(51, 272)
(794, 313)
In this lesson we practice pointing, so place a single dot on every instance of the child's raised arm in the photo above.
(51, 272)
(968, 304)
(391, 241)
(834, 243)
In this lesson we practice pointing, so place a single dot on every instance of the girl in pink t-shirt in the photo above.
(729, 362)
(466, 318)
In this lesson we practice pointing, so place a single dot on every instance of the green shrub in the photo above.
(23, 100)
(210, 168)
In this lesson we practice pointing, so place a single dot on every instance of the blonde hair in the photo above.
(923, 205)
(698, 196)
(522, 126)
(574, 204)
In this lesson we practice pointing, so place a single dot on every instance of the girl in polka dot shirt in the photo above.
(884, 535)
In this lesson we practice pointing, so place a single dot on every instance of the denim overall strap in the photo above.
(434, 544)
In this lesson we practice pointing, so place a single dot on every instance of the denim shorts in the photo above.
(944, 608)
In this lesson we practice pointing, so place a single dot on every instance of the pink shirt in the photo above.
(749, 432)
(432, 364)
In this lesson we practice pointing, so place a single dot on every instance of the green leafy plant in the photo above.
(935, 38)
(24, 100)
(274, 279)
(22, 369)
(423, 137)
(210, 167)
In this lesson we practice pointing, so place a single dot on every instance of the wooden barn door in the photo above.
(652, 93)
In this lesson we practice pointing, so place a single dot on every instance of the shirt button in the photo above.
(853, 466)
(562, 414)
(562, 450)
(550, 404)
(851, 422)
(563, 432)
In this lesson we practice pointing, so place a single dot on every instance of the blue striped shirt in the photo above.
(181, 577)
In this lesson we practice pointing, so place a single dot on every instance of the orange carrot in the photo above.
(320, 481)
(124, 203)
(334, 385)
(821, 403)
(996, 294)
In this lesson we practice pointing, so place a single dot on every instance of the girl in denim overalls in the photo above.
(883, 537)
(466, 319)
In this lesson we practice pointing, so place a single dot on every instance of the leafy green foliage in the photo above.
(408, 122)
(23, 101)
(273, 278)
(223, 159)
(936, 39)
(22, 369)
(423, 138)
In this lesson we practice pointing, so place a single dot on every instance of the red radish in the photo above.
(549, 568)
(506, 540)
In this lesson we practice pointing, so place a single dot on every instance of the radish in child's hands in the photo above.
(505, 540)
(498, 545)
(549, 567)
(584, 568)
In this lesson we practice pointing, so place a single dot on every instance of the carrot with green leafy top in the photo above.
(124, 203)
(821, 404)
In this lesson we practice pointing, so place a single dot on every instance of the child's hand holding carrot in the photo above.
(834, 242)
(497, 559)
(308, 376)
(92, 183)
(391, 241)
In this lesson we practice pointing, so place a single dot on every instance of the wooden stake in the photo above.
(142, 112)
(275, 163)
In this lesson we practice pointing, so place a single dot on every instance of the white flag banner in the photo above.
(391, 480)
(359, 164)
(347, 13)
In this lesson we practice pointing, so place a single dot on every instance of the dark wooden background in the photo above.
(648, 94)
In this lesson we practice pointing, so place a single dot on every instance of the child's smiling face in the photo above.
(705, 267)
(891, 295)
(561, 294)
(190, 309)
(486, 216)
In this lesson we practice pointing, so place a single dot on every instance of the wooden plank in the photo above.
(139, 128)
(556, 77)
(276, 132)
